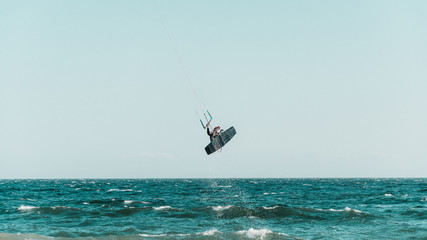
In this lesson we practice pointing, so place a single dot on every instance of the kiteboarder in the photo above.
(214, 133)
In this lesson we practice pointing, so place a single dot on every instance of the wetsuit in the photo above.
(209, 133)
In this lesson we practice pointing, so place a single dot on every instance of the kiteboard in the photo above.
(219, 141)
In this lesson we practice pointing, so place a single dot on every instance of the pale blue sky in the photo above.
(313, 88)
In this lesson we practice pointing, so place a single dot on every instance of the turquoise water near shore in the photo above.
(213, 209)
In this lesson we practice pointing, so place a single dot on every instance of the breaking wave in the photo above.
(212, 209)
(249, 234)
(222, 212)
(282, 211)
(49, 210)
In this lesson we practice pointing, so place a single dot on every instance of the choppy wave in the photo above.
(212, 209)
(120, 190)
(346, 209)
(281, 211)
(250, 234)
(27, 208)
(221, 208)
(226, 212)
(48, 210)
(128, 202)
(211, 232)
(163, 208)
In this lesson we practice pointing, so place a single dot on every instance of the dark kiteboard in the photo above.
(219, 141)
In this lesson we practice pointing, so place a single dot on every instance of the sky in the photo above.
(104, 89)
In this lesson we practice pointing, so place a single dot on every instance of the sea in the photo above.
(112, 209)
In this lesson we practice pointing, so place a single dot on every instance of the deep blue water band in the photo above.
(214, 209)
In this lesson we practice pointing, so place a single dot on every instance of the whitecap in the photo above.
(210, 232)
(162, 208)
(388, 195)
(269, 208)
(26, 208)
(221, 208)
(347, 209)
(253, 233)
(128, 201)
(120, 190)
(149, 235)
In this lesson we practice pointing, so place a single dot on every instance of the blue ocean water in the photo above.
(213, 209)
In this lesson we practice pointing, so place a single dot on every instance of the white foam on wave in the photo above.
(26, 208)
(149, 235)
(164, 235)
(221, 208)
(253, 233)
(211, 232)
(346, 209)
(120, 190)
(270, 208)
(162, 208)
(132, 201)
(388, 195)
(261, 233)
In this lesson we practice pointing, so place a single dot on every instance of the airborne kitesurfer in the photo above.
(215, 132)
